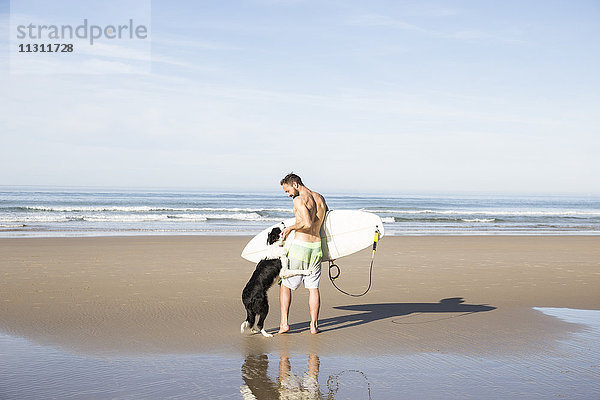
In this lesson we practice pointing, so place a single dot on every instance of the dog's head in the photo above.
(273, 236)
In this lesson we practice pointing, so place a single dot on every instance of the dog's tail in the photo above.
(245, 326)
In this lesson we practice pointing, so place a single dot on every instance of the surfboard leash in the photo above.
(337, 274)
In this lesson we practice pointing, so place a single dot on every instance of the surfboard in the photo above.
(344, 232)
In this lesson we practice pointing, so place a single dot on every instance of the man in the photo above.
(304, 254)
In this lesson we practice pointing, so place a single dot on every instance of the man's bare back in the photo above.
(316, 207)
(310, 210)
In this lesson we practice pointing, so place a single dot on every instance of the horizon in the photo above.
(276, 191)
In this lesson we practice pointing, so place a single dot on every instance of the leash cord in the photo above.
(333, 278)
(333, 265)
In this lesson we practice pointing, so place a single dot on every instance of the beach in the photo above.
(478, 298)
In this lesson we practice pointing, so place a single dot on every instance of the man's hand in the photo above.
(286, 232)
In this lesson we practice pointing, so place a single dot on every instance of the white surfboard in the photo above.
(343, 232)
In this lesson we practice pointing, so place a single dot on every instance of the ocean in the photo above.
(52, 212)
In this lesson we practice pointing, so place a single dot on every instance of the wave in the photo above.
(440, 220)
(488, 212)
(143, 218)
(135, 218)
(134, 209)
(237, 216)
(266, 212)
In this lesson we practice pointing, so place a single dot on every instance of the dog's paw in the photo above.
(254, 330)
(265, 334)
(245, 326)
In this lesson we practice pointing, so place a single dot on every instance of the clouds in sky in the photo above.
(355, 96)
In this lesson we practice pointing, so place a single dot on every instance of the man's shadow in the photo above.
(375, 312)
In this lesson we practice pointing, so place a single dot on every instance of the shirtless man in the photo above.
(305, 252)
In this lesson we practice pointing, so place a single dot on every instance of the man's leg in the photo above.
(314, 304)
(285, 368)
(311, 379)
(285, 299)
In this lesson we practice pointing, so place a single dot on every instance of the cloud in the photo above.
(507, 34)
(184, 42)
(376, 20)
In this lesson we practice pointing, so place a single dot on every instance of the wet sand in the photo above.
(148, 295)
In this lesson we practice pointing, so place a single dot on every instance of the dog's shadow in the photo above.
(375, 312)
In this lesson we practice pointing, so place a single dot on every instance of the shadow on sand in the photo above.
(374, 312)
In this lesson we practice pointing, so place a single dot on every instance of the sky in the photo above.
(354, 96)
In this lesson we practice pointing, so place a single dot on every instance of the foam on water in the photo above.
(590, 318)
(138, 209)
(540, 213)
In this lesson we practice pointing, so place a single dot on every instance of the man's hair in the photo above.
(290, 179)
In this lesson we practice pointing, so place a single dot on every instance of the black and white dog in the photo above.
(254, 295)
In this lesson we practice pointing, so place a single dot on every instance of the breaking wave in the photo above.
(138, 209)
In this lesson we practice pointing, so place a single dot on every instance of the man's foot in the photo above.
(314, 330)
(284, 328)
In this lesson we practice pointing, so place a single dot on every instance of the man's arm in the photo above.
(303, 221)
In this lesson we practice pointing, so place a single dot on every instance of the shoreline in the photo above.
(181, 294)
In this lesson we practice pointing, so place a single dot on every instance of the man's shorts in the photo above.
(304, 256)
(310, 281)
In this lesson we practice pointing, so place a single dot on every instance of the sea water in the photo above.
(29, 212)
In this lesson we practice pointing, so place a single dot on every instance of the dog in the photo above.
(254, 295)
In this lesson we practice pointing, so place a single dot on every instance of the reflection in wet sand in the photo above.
(258, 384)
(289, 385)
(293, 386)
(297, 376)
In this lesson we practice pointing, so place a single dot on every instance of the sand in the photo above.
(148, 295)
